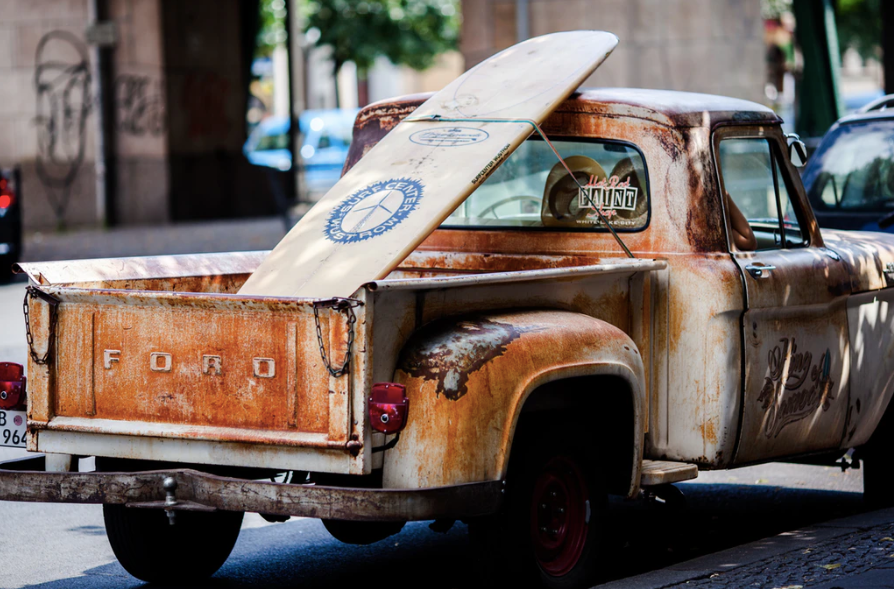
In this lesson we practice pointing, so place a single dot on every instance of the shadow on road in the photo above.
(715, 517)
(300, 553)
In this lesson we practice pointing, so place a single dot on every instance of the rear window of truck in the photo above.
(532, 189)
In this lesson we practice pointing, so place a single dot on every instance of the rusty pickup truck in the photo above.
(516, 369)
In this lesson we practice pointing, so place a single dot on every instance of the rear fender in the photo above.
(469, 377)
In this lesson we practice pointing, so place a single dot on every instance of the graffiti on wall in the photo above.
(62, 87)
(139, 103)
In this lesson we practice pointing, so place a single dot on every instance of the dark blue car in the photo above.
(850, 178)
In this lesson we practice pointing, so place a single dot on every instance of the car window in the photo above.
(755, 184)
(271, 142)
(533, 189)
(853, 170)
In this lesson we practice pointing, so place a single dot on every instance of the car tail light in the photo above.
(7, 197)
(388, 407)
(12, 386)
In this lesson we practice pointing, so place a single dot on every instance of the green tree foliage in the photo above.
(272, 30)
(407, 32)
(771, 9)
(860, 26)
(858, 23)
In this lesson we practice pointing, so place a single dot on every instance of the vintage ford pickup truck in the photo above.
(516, 369)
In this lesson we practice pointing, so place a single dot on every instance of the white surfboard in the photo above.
(419, 173)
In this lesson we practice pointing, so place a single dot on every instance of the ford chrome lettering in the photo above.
(212, 365)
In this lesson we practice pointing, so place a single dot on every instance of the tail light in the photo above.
(12, 386)
(388, 407)
(7, 196)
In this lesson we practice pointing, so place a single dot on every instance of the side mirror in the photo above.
(797, 151)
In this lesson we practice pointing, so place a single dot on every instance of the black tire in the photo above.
(878, 467)
(152, 550)
(877, 458)
(551, 530)
(878, 482)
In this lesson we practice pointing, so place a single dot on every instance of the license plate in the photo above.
(13, 425)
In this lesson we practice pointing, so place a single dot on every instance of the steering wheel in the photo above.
(492, 209)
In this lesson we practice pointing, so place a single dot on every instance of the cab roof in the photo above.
(666, 107)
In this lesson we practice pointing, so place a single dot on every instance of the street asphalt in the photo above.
(773, 526)
(854, 552)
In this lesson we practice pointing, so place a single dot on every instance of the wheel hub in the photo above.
(559, 516)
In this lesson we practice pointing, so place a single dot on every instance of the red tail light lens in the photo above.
(388, 407)
(12, 386)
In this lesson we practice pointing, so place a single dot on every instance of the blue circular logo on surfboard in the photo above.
(373, 210)
(449, 137)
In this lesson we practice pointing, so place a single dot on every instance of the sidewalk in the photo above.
(855, 552)
(181, 238)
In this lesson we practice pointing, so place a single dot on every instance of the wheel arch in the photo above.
(605, 401)
(470, 378)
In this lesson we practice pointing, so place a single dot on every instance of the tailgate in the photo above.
(245, 374)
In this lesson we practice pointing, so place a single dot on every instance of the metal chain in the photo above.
(339, 304)
(30, 293)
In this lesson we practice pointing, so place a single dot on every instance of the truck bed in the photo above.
(157, 359)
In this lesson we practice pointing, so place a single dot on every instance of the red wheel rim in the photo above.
(559, 516)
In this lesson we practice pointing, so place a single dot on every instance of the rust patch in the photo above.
(669, 141)
(449, 350)
(709, 432)
(704, 217)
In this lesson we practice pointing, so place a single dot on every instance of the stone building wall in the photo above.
(178, 92)
(141, 116)
(713, 46)
(46, 110)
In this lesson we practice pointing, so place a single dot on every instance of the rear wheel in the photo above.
(152, 550)
(560, 516)
(549, 533)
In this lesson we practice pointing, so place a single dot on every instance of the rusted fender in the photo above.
(467, 379)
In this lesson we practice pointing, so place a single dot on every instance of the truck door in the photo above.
(796, 355)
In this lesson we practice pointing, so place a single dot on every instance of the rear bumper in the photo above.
(25, 480)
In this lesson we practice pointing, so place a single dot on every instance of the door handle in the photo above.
(758, 271)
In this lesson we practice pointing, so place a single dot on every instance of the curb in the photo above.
(746, 554)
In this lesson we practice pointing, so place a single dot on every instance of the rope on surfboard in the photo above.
(533, 123)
